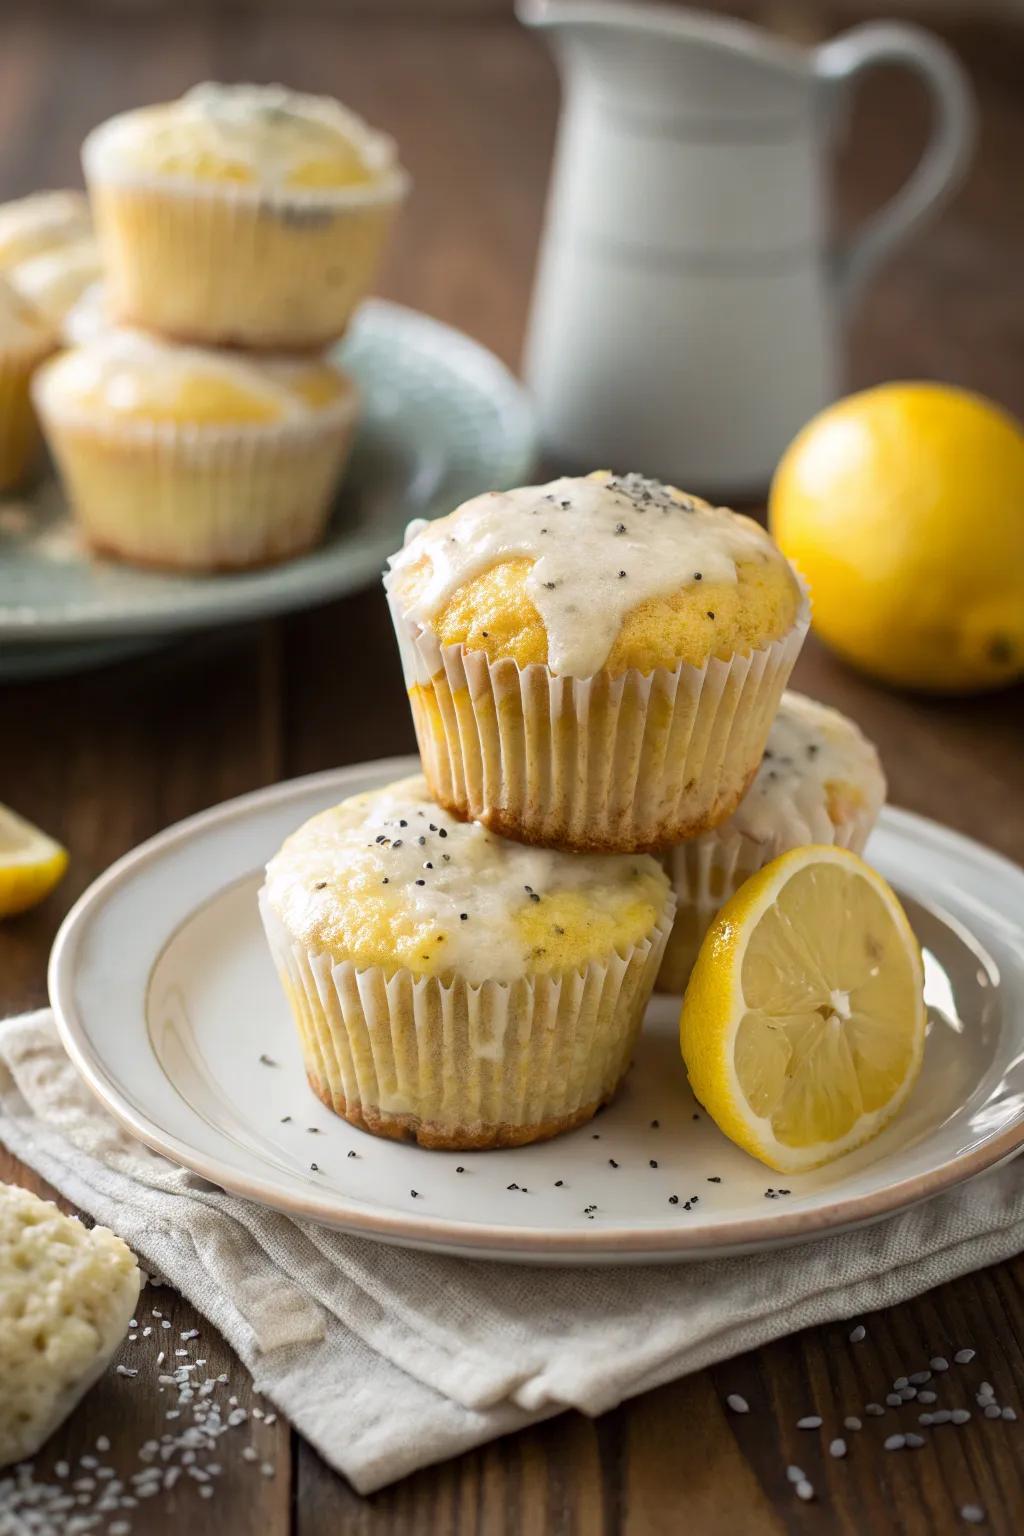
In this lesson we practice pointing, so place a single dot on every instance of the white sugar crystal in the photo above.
(737, 1403)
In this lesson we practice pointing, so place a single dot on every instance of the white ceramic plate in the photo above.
(442, 420)
(166, 1000)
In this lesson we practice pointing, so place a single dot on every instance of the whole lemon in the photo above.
(903, 507)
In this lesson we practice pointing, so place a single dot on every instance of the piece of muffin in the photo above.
(66, 1295)
(454, 988)
(820, 781)
(54, 281)
(191, 459)
(44, 221)
(594, 663)
(26, 339)
(245, 215)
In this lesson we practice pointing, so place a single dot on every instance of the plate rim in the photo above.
(594, 1245)
(27, 625)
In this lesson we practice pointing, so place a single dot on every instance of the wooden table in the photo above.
(106, 759)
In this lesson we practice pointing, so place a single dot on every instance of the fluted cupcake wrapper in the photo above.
(228, 265)
(450, 1064)
(202, 498)
(709, 869)
(610, 764)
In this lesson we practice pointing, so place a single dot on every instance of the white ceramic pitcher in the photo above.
(688, 300)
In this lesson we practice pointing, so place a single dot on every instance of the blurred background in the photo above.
(472, 98)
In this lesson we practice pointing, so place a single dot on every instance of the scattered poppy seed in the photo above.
(655, 1125)
(714, 1179)
(559, 1183)
(737, 1403)
(267, 1061)
(652, 1162)
(673, 1199)
(314, 1168)
(612, 1163)
(285, 1119)
(352, 1153)
(415, 1193)
(513, 1185)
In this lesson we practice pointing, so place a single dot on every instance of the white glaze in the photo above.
(809, 748)
(394, 835)
(599, 548)
(267, 128)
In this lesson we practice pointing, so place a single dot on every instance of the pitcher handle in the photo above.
(945, 156)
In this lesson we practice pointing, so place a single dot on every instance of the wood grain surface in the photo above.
(108, 758)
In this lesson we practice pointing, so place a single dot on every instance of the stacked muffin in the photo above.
(198, 425)
(595, 667)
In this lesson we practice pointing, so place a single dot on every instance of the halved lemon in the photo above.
(803, 1024)
(30, 863)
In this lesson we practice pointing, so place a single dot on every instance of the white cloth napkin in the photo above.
(388, 1360)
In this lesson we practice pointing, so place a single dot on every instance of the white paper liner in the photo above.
(234, 264)
(457, 1065)
(639, 761)
(196, 497)
(709, 869)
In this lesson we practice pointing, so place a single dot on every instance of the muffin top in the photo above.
(606, 571)
(40, 223)
(389, 879)
(262, 136)
(22, 327)
(55, 280)
(125, 375)
(816, 759)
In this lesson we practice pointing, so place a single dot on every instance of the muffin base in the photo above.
(439, 1138)
(635, 761)
(452, 1064)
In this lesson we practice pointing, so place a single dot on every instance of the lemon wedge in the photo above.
(30, 863)
(803, 1024)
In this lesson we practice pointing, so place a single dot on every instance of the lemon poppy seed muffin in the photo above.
(26, 339)
(43, 221)
(820, 781)
(192, 459)
(66, 1294)
(455, 988)
(246, 215)
(55, 280)
(594, 663)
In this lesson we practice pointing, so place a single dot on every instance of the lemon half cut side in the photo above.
(803, 1025)
(30, 863)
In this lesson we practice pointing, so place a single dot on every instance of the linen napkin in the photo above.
(388, 1360)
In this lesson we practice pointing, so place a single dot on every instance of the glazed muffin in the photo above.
(54, 281)
(26, 339)
(245, 215)
(454, 988)
(45, 221)
(820, 781)
(595, 663)
(191, 459)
